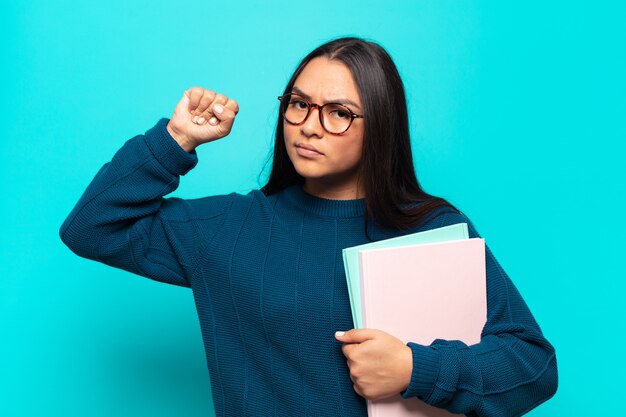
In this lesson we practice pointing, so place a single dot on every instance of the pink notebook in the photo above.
(421, 293)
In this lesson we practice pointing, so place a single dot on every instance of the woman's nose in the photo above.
(312, 126)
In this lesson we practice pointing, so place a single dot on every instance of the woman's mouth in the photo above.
(307, 151)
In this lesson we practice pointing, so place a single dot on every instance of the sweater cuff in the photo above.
(426, 362)
(167, 151)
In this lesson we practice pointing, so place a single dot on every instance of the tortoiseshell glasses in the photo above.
(335, 118)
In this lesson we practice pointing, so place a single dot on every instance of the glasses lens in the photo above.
(337, 118)
(295, 108)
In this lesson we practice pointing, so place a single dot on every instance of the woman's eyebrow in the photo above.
(339, 100)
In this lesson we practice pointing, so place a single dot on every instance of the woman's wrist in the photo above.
(182, 140)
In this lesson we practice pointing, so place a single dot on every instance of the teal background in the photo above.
(517, 114)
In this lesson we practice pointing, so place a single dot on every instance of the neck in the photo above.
(351, 191)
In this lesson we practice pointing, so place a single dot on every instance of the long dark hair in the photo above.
(393, 196)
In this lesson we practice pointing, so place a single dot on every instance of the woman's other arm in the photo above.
(512, 369)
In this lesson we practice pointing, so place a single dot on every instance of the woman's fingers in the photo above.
(224, 113)
(205, 101)
(232, 105)
(380, 364)
(195, 95)
(209, 112)
(223, 119)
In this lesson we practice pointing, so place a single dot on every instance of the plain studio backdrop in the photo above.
(517, 114)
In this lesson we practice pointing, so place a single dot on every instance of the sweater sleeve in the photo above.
(511, 371)
(123, 220)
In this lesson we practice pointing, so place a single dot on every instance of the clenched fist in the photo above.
(201, 116)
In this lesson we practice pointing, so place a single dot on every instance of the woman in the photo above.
(265, 268)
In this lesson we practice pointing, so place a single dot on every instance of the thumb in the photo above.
(225, 117)
(355, 335)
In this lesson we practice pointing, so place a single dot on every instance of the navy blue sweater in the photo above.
(269, 286)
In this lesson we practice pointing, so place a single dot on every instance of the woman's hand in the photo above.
(380, 364)
(201, 116)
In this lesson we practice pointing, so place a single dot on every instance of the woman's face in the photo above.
(329, 163)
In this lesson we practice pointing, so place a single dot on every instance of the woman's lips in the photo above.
(308, 151)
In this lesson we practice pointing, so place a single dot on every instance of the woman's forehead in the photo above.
(323, 79)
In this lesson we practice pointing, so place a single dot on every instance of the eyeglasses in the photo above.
(335, 118)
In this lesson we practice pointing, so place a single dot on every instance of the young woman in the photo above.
(266, 269)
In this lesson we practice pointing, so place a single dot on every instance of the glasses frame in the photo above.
(283, 100)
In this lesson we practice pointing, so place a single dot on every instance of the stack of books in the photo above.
(418, 288)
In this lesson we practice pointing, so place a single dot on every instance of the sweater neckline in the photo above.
(323, 206)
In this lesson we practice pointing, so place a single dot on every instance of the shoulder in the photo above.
(447, 216)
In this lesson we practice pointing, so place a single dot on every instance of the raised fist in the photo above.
(201, 116)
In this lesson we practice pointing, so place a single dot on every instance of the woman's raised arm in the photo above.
(123, 219)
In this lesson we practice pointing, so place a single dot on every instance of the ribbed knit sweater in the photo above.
(269, 286)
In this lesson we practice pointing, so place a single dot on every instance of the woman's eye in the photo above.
(340, 114)
(299, 104)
